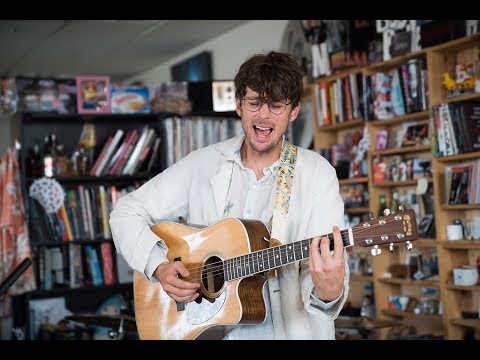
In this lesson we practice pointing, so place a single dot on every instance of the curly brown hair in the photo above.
(275, 76)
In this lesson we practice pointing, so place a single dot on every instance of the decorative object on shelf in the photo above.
(93, 94)
(416, 135)
(49, 193)
(455, 231)
(171, 97)
(382, 139)
(46, 95)
(130, 99)
(360, 144)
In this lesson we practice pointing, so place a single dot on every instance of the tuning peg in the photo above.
(390, 247)
(371, 216)
(386, 212)
(408, 245)
(402, 207)
(375, 251)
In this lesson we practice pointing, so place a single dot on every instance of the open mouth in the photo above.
(262, 132)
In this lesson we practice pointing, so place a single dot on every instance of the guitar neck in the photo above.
(274, 257)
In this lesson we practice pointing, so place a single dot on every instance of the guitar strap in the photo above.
(288, 158)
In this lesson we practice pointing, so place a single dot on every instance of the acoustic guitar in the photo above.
(231, 260)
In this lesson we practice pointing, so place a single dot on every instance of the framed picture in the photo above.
(415, 135)
(93, 94)
(425, 225)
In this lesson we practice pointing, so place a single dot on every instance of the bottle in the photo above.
(62, 161)
(34, 161)
(395, 202)
(382, 204)
(368, 307)
(49, 167)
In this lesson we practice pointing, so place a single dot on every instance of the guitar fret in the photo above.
(251, 262)
(265, 260)
(305, 248)
(271, 258)
(290, 253)
(237, 270)
(283, 254)
(241, 270)
(255, 263)
(276, 257)
(297, 249)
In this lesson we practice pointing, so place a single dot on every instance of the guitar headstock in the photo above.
(387, 230)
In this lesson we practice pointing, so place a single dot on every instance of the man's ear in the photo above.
(238, 107)
(294, 112)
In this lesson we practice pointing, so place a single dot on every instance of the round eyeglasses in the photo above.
(254, 104)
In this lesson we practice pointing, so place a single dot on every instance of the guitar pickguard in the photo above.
(199, 313)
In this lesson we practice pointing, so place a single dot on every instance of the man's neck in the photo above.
(257, 161)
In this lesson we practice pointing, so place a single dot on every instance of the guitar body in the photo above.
(224, 303)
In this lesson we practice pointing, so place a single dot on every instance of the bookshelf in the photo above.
(451, 321)
(178, 136)
(60, 255)
(456, 299)
(328, 132)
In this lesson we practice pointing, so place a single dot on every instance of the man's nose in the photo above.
(264, 110)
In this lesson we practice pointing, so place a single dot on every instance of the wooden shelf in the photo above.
(461, 207)
(399, 183)
(460, 157)
(451, 286)
(353, 181)
(425, 243)
(460, 244)
(359, 277)
(403, 150)
(407, 314)
(340, 74)
(422, 115)
(465, 97)
(342, 125)
(457, 44)
(472, 323)
(395, 281)
(394, 62)
(357, 210)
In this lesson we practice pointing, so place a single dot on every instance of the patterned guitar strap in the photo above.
(288, 157)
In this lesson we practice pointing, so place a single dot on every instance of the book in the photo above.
(108, 152)
(94, 266)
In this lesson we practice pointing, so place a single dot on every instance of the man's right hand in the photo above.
(178, 289)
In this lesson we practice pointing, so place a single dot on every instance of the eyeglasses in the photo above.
(254, 104)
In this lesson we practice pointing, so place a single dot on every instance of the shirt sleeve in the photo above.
(157, 256)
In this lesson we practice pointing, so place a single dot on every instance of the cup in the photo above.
(454, 232)
(468, 229)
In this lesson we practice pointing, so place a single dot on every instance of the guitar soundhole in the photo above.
(212, 275)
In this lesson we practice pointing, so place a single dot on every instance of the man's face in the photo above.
(264, 123)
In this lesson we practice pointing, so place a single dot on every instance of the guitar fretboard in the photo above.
(273, 257)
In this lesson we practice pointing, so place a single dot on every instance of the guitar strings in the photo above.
(243, 265)
(218, 268)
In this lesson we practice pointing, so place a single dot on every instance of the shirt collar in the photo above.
(235, 157)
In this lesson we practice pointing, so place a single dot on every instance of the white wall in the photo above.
(228, 51)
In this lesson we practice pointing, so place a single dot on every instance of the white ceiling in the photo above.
(116, 48)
